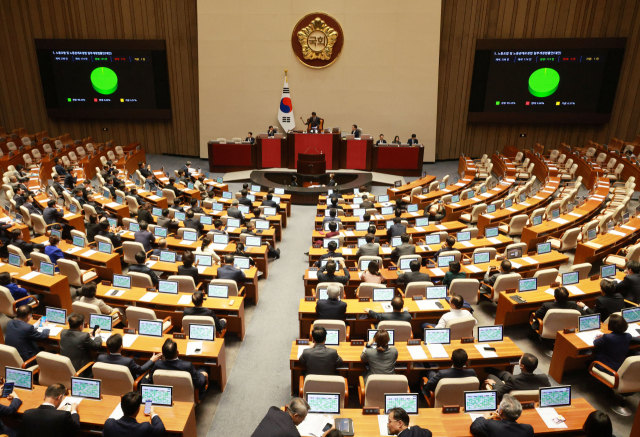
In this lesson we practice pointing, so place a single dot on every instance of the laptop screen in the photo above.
(204, 260)
(326, 241)
(387, 210)
(405, 263)
(244, 209)
(227, 194)
(169, 287)
(608, 271)
(362, 226)
(241, 263)
(152, 328)
(537, 220)
(528, 284)
(422, 221)
(47, 268)
(384, 198)
(190, 236)
(464, 236)
(102, 320)
(555, 396)
(262, 224)
(544, 248)
(278, 190)
(412, 208)
(202, 332)
(56, 315)
(269, 211)
(233, 223)
(134, 227)
(631, 315)
(15, 260)
(21, 378)
(158, 394)
(455, 199)
(396, 241)
(206, 219)
(589, 323)
(383, 294)
(253, 241)
(167, 256)
(180, 216)
(508, 203)
(475, 401)
(490, 333)
(432, 239)
(443, 261)
(104, 247)
(159, 231)
(516, 252)
(481, 257)
(220, 291)
(333, 337)
(156, 212)
(217, 206)
(407, 401)
(324, 403)
(439, 292)
(491, 232)
(592, 234)
(220, 238)
(491, 208)
(437, 336)
(570, 278)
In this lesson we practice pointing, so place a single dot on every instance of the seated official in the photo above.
(332, 182)
(228, 271)
(294, 181)
(598, 424)
(611, 302)
(106, 231)
(188, 268)
(331, 308)
(333, 232)
(371, 230)
(234, 212)
(405, 248)
(400, 313)
(240, 252)
(331, 253)
(332, 217)
(198, 310)
(460, 359)
(397, 228)
(141, 267)
(381, 140)
(26, 247)
(244, 200)
(22, 335)
(144, 213)
(457, 303)
(561, 302)
(447, 246)
(629, 287)
(195, 208)
(413, 140)
(48, 420)
(128, 424)
(504, 382)
(268, 201)
(396, 140)
(328, 274)
(77, 345)
(398, 424)
(382, 359)
(70, 180)
(453, 273)
(319, 359)
(355, 131)
(414, 275)
(372, 275)
(9, 410)
(502, 423)
(53, 251)
(144, 236)
(490, 279)
(369, 248)
(57, 186)
(334, 203)
(250, 138)
(207, 249)
(366, 202)
(612, 349)
(88, 296)
(144, 171)
(30, 205)
(271, 132)
(162, 246)
(218, 228)
(114, 346)
(436, 212)
(191, 222)
(16, 291)
(278, 423)
(166, 222)
(172, 362)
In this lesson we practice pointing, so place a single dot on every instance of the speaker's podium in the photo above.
(311, 164)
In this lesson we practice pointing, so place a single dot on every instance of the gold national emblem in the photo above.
(317, 40)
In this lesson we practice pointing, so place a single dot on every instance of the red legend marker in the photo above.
(527, 103)
(95, 100)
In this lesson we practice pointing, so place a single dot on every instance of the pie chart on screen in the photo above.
(544, 82)
(104, 80)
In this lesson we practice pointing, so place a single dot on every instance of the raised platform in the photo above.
(376, 178)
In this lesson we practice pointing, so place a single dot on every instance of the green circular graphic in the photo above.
(544, 82)
(104, 80)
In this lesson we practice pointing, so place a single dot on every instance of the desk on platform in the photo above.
(231, 157)
(327, 144)
(356, 154)
(398, 160)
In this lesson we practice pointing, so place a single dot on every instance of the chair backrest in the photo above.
(134, 314)
(590, 152)
(15, 250)
(198, 320)
(546, 277)
(521, 246)
(629, 375)
(477, 210)
(473, 231)
(414, 256)
(526, 395)
(169, 194)
(450, 391)
(38, 257)
(467, 288)
(181, 381)
(456, 253)
(493, 252)
(71, 270)
(186, 284)
(129, 250)
(504, 282)
(54, 368)
(417, 289)
(116, 379)
(325, 384)
(517, 224)
(601, 157)
(556, 320)
(378, 385)
(76, 233)
(86, 309)
(366, 289)
(553, 155)
(461, 327)
(140, 279)
(402, 330)
(39, 226)
(9, 357)
(583, 269)
(6, 302)
(334, 324)
(233, 286)
(569, 239)
(133, 204)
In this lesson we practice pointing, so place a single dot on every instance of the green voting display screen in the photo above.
(544, 82)
(104, 80)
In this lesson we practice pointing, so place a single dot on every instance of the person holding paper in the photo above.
(398, 424)
(611, 302)
(629, 287)
(128, 424)
(459, 358)
(612, 349)
(562, 302)
(502, 423)
(47, 420)
(114, 346)
(489, 279)
(504, 382)
(319, 359)
(399, 312)
(414, 275)
(382, 359)
(22, 335)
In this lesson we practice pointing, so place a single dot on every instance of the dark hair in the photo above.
(450, 241)
(54, 240)
(15, 234)
(369, 238)
(530, 362)
(77, 191)
(457, 301)
(193, 201)
(332, 212)
(165, 212)
(51, 203)
(89, 290)
(404, 238)
(334, 433)
(23, 311)
(130, 403)
(561, 295)
(598, 424)
(373, 268)
(114, 343)
(415, 265)
(190, 213)
(319, 334)
(228, 259)
(313, 113)
(141, 257)
(617, 324)
(244, 193)
(143, 225)
(205, 242)
(400, 414)
(372, 230)
(93, 218)
(170, 349)
(104, 225)
(366, 217)
(198, 298)
(171, 180)
(608, 287)
(333, 226)
(634, 266)
(217, 223)
(397, 303)
(55, 391)
(398, 213)
(382, 339)
(331, 267)
(269, 196)
(459, 358)
(454, 267)
(505, 265)
(413, 135)
(332, 246)
(188, 258)
(5, 278)
(75, 320)
(396, 220)
(356, 126)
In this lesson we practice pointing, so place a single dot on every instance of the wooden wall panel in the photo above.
(21, 98)
(464, 21)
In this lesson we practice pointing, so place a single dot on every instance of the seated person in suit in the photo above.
(381, 140)
(107, 233)
(271, 132)
(382, 359)
(162, 245)
(413, 140)
(234, 212)
(405, 248)
(59, 168)
(198, 310)
(612, 349)
(151, 183)
(504, 382)
(195, 208)
(26, 247)
(114, 346)
(331, 253)
(92, 228)
(447, 246)
(240, 252)
(144, 213)
(397, 228)
(144, 171)
(128, 424)
(110, 186)
(30, 205)
(366, 203)
(88, 295)
(453, 273)
(176, 205)
(414, 275)
(77, 195)
(22, 335)
(611, 302)
(436, 212)
(561, 302)
(188, 268)
(171, 361)
(193, 223)
(9, 410)
(332, 307)
(278, 423)
(457, 303)
(70, 180)
(77, 345)
(141, 267)
(228, 271)
(328, 274)
(369, 248)
(355, 131)
(502, 423)
(400, 313)
(50, 421)
(332, 217)
(268, 201)
(372, 274)
(459, 358)
(184, 179)
(250, 138)
(629, 287)
(19, 197)
(294, 181)
(167, 222)
(398, 424)
(244, 200)
(144, 236)
(319, 359)
(20, 174)
(334, 203)
(57, 186)
(490, 279)
(171, 186)
(332, 232)
(16, 291)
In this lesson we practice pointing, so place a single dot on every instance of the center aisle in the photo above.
(260, 377)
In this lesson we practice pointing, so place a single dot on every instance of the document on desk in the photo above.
(53, 330)
(417, 353)
(437, 351)
(512, 209)
(184, 299)
(455, 205)
(383, 419)
(486, 194)
(628, 227)
(488, 216)
(574, 290)
(538, 197)
(474, 416)
(150, 263)
(68, 400)
(219, 246)
(115, 293)
(231, 229)
(301, 349)
(460, 184)
(437, 272)
(194, 348)
(349, 233)
(419, 229)
(314, 423)
(201, 269)
(484, 353)
(386, 250)
(494, 240)
(74, 249)
(427, 304)
(386, 306)
(589, 336)
(560, 221)
(89, 253)
(186, 242)
(425, 248)
(529, 260)
(633, 329)
(575, 214)
(313, 274)
(148, 297)
(347, 251)
(441, 227)
(30, 276)
(415, 214)
(515, 265)
(113, 204)
(548, 414)
(105, 336)
(129, 339)
(467, 243)
(153, 197)
(592, 244)
(117, 413)
(618, 233)
(473, 268)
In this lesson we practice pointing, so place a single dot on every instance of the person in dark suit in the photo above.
(413, 140)
(228, 271)
(150, 181)
(319, 359)
(86, 189)
(77, 194)
(561, 302)
(397, 228)
(133, 192)
(405, 248)
(332, 217)
(366, 203)
(414, 275)
(271, 132)
(504, 382)
(47, 420)
(611, 302)
(30, 205)
(332, 307)
(490, 279)
(184, 179)
(144, 171)
(19, 197)
(331, 253)
(9, 411)
(328, 274)
(162, 246)
(195, 208)
(502, 423)
(381, 140)
(109, 186)
(250, 138)
(244, 200)
(128, 424)
(193, 223)
(447, 245)
(234, 212)
(105, 232)
(369, 248)
(114, 346)
(52, 214)
(70, 180)
(56, 185)
(198, 310)
(355, 131)
(166, 222)
(77, 345)
(20, 174)
(460, 359)
(186, 167)
(171, 361)
(22, 335)
(15, 184)
(453, 273)
(278, 423)
(141, 259)
(400, 313)
(629, 287)
(334, 204)
(144, 236)
(332, 182)
(59, 168)
(269, 201)
(313, 122)
(398, 424)
(144, 213)
(612, 349)
(92, 228)
(187, 268)
(26, 247)
(171, 186)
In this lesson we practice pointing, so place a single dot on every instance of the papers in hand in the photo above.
(53, 330)
(30, 276)
(383, 419)
(301, 349)
(484, 353)
(437, 351)
(128, 339)
(547, 415)
(148, 297)
(314, 423)
(194, 348)
(589, 336)
(417, 353)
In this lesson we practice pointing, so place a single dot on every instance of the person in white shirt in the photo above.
(207, 249)
(456, 312)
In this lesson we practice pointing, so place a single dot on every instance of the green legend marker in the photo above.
(104, 80)
(544, 82)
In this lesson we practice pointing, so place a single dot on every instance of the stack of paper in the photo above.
(417, 353)
(484, 353)
(512, 209)
(437, 272)
(628, 227)
(314, 423)
(313, 274)
(618, 233)
(113, 205)
(383, 419)
(441, 227)
(547, 415)
(30, 276)
(89, 253)
(473, 268)
(386, 250)
(488, 216)
(437, 351)
(301, 349)
(529, 260)
(128, 339)
(494, 240)
(589, 336)
(574, 290)
(429, 304)
(73, 249)
(560, 221)
(184, 299)
(419, 229)
(148, 297)
(467, 244)
(349, 233)
(194, 348)
(53, 330)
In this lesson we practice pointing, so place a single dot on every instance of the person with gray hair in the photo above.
(278, 423)
(502, 422)
(234, 212)
(331, 308)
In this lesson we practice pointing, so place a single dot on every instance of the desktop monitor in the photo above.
(481, 257)
(383, 294)
(471, 195)
(276, 199)
(490, 333)
(631, 315)
(159, 394)
(357, 200)
(523, 197)
(589, 323)
(559, 396)
(592, 234)
(437, 292)
(333, 337)
(227, 194)
(537, 220)
(180, 216)
(412, 208)
(151, 328)
(437, 336)
(463, 236)
(86, 388)
(104, 321)
(508, 203)
(206, 219)
(217, 206)
(371, 333)
(72, 209)
(56, 315)
(543, 248)
(570, 278)
(362, 242)
(270, 210)
(21, 378)
(204, 260)
(608, 271)
(134, 227)
(219, 291)
(244, 209)
(483, 189)
(262, 225)
(47, 268)
(491, 208)
(362, 226)
(396, 241)
(326, 241)
(491, 232)
(514, 253)
(432, 239)
(364, 264)
(167, 256)
(190, 236)
(104, 247)
(442, 185)
(159, 193)
(255, 188)
(359, 212)
(15, 260)
(156, 212)
(251, 241)
(528, 284)
(233, 223)
(407, 401)
(241, 263)
(169, 287)
(443, 261)
(106, 194)
(220, 239)
(202, 332)
(555, 213)
(387, 210)
(405, 263)
(278, 191)
(161, 232)
(251, 197)
(478, 401)
(422, 221)
(324, 403)
(455, 199)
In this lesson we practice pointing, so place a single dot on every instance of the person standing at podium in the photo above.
(381, 140)
(332, 182)
(354, 131)
(250, 138)
(271, 132)
(313, 122)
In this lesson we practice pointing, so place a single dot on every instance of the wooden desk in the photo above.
(179, 419)
(76, 221)
(405, 190)
(55, 288)
(105, 264)
(608, 243)
(168, 305)
(452, 189)
(503, 166)
(351, 237)
(455, 210)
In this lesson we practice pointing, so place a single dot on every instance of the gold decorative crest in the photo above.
(317, 40)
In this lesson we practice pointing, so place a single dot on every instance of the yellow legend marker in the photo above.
(122, 100)
(557, 103)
